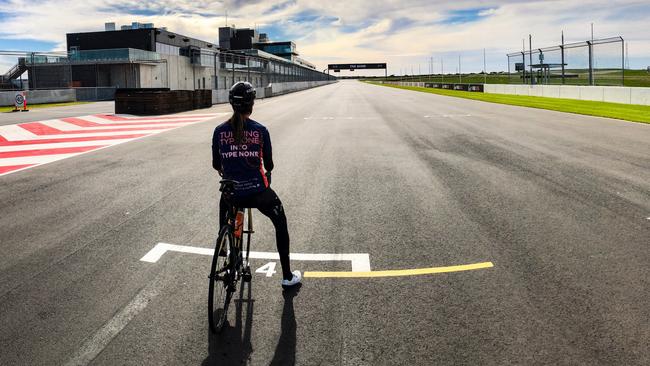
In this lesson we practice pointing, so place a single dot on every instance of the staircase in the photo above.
(13, 73)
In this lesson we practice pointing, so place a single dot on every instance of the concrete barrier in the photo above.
(570, 92)
(552, 91)
(40, 96)
(536, 92)
(592, 93)
(611, 94)
(640, 96)
(272, 90)
(617, 95)
(290, 87)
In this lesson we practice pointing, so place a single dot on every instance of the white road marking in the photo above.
(96, 344)
(65, 126)
(40, 159)
(13, 132)
(456, 115)
(96, 119)
(93, 134)
(340, 117)
(192, 115)
(57, 145)
(360, 261)
(104, 121)
(448, 115)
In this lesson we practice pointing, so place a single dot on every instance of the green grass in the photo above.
(628, 112)
(44, 105)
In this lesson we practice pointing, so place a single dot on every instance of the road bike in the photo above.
(229, 264)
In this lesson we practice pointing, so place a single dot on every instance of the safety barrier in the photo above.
(40, 96)
(612, 94)
(272, 90)
(449, 86)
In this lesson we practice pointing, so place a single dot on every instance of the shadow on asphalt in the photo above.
(285, 351)
(233, 345)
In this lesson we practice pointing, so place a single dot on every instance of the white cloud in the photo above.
(403, 33)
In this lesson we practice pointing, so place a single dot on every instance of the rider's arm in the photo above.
(267, 155)
(216, 155)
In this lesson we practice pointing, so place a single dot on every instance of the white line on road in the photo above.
(96, 344)
(65, 126)
(56, 145)
(92, 134)
(360, 261)
(40, 159)
(449, 115)
(340, 117)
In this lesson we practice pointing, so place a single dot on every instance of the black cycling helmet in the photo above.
(242, 97)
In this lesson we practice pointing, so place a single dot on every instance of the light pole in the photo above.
(484, 69)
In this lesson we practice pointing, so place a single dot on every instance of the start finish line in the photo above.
(360, 261)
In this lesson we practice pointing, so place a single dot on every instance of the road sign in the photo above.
(356, 66)
(20, 99)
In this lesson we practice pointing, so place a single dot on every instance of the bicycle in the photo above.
(228, 262)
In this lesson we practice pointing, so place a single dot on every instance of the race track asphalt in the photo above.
(559, 203)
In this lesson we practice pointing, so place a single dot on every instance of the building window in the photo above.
(203, 83)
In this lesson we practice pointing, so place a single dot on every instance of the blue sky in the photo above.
(406, 34)
(461, 16)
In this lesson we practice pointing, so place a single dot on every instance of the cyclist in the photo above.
(241, 151)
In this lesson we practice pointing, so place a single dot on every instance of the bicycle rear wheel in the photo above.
(222, 277)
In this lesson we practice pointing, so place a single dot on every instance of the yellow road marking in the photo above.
(400, 272)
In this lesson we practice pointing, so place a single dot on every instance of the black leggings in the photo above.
(269, 204)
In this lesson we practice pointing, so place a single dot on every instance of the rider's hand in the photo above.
(268, 177)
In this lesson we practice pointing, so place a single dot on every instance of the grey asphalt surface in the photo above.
(559, 203)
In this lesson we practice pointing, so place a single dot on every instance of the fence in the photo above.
(230, 68)
(597, 62)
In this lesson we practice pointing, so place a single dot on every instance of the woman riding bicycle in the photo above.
(241, 151)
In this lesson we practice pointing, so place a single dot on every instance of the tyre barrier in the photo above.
(453, 86)
(157, 101)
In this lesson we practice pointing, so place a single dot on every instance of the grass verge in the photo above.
(44, 105)
(627, 112)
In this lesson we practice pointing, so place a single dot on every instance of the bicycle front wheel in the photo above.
(222, 276)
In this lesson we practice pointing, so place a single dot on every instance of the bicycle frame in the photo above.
(245, 215)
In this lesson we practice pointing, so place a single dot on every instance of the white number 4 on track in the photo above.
(268, 268)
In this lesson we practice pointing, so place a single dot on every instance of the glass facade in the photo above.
(166, 49)
(278, 48)
(108, 55)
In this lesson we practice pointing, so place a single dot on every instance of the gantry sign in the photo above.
(352, 67)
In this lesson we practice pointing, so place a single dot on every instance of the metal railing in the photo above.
(597, 62)
(95, 56)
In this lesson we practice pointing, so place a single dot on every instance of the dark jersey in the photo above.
(244, 163)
